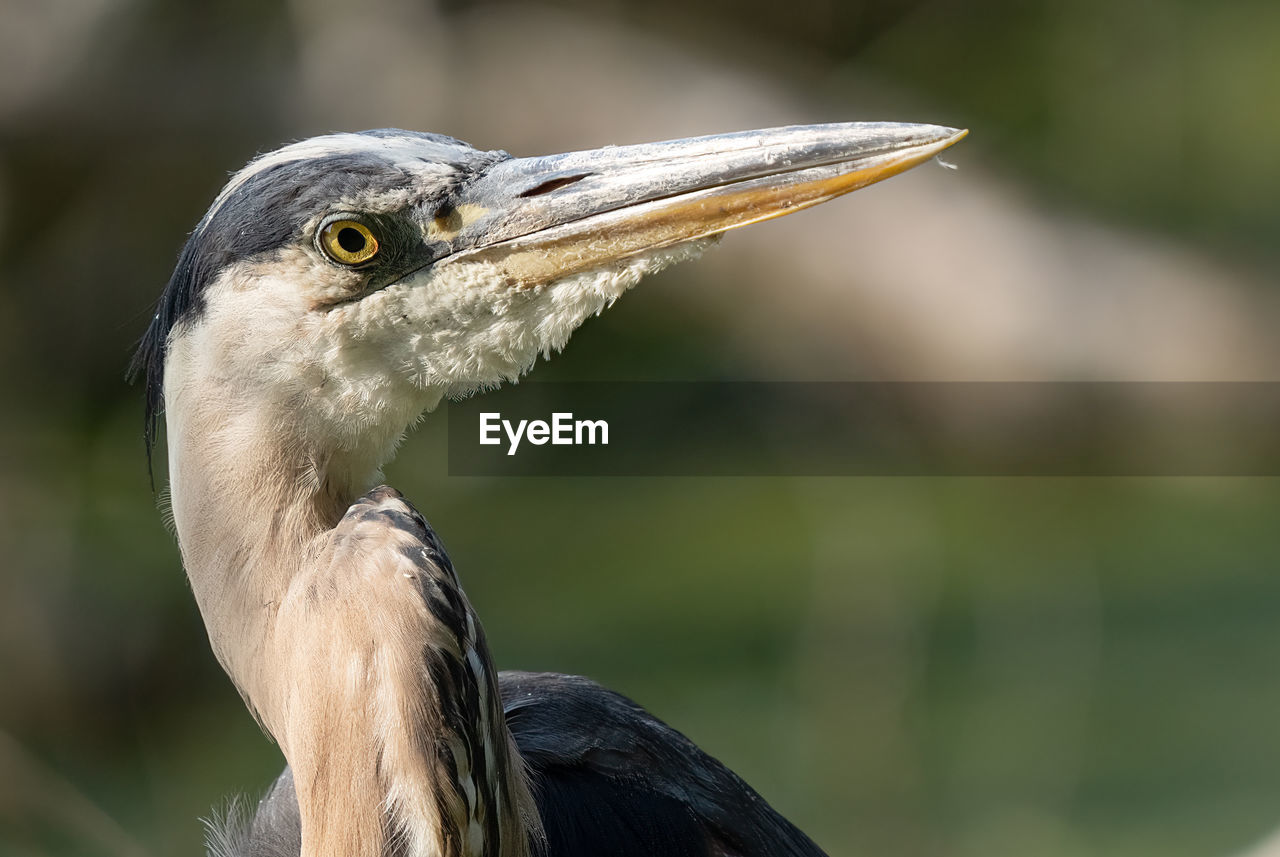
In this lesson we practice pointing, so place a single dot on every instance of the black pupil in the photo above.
(351, 240)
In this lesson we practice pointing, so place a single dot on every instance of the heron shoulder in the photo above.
(610, 777)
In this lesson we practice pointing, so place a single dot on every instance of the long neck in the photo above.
(257, 510)
(248, 503)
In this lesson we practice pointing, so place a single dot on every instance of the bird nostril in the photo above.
(552, 184)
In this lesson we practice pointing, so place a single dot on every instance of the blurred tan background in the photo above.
(903, 666)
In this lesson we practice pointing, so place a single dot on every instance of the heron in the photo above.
(338, 289)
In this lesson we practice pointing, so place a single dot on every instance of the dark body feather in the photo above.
(611, 780)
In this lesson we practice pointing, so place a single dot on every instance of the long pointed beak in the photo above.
(539, 219)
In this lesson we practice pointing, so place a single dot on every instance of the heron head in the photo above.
(347, 282)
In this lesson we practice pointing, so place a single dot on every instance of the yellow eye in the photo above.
(348, 242)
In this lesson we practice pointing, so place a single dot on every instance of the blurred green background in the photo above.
(902, 666)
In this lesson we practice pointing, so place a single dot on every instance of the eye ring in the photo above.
(347, 242)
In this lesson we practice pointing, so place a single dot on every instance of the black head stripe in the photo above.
(265, 212)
